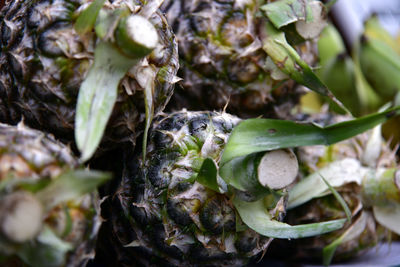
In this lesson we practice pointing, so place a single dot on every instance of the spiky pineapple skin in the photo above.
(44, 61)
(34, 157)
(223, 62)
(159, 215)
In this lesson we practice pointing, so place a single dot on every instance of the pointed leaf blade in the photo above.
(255, 216)
(149, 109)
(339, 199)
(289, 61)
(97, 96)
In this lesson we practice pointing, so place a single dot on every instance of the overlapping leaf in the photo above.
(256, 135)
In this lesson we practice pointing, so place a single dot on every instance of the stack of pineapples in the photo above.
(231, 163)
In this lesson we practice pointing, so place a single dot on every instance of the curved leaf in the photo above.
(97, 96)
(388, 216)
(256, 216)
(336, 174)
(339, 198)
(256, 135)
(289, 61)
(352, 232)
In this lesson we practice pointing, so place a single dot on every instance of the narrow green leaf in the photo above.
(338, 173)
(71, 185)
(149, 109)
(97, 97)
(289, 61)
(207, 175)
(339, 199)
(256, 135)
(87, 18)
(352, 232)
(284, 12)
(256, 216)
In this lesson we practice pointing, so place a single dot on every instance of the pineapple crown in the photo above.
(242, 168)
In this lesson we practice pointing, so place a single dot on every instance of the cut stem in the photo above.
(136, 36)
(22, 215)
(278, 169)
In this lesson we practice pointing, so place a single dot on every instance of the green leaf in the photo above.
(352, 232)
(257, 217)
(149, 107)
(71, 185)
(284, 12)
(97, 96)
(48, 250)
(207, 175)
(289, 61)
(339, 199)
(256, 135)
(87, 18)
(241, 173)
(337, 174)
(107, 22)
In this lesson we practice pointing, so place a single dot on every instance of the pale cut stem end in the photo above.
(22, 216)
(278, 169)
(136, 36)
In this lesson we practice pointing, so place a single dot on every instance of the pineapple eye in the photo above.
(217, 216)
(235, 31)
(246, 241)
(199, 19)
(243, 70)
(46, 13)
(51, 39)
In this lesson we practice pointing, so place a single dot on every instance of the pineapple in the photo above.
(162, 213)
(189, 224)
(44, 62)
(363, 171)
(48, 213)
(223, 62)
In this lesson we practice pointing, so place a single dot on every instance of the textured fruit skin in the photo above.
(222, 60)
(30, 155)
(169, 219)
(43, 62)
